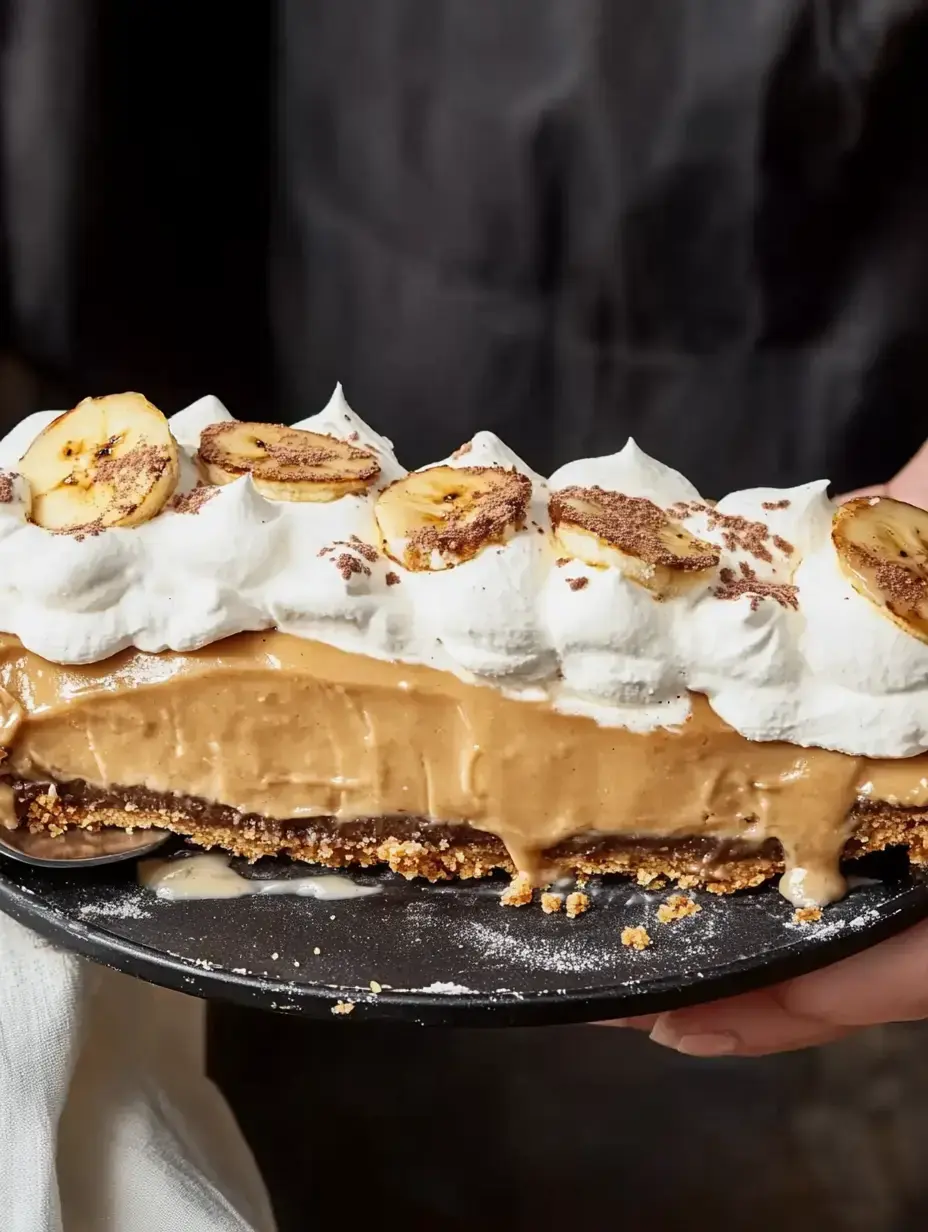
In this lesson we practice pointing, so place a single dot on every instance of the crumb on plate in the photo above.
(807, 915)
(576, 904)
(677, 907)
(518, 892)
(636, 938)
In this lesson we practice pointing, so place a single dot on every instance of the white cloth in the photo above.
(108, 1122)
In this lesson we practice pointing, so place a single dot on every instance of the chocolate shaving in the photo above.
(561, 561)
(6, 488)
(739, 534)
(393, 579)
(354, 544)
(122, 472)
(192, 502)
(633, 524)
(503, 504)
(748, 583)
(578, 583)
(124, 469)
(367, 550)
(347, 565)
(903, 588)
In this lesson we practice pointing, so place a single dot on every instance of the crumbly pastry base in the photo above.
(438, 852)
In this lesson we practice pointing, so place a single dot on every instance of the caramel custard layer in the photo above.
(282, 727)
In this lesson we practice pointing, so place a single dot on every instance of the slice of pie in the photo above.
(276, 640)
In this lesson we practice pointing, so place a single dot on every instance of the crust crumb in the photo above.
(807, 915)
(376, 988)
(519, 891)
(576, 904)
(343, 1007)
(550, 903)
(677, 907)
(636, 938)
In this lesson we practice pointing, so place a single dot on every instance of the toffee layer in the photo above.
(290, 731)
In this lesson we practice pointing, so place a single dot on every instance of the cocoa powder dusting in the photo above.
(367, 550)
(578, 583)
(291, 453)
(783, 545)
(739, 534)
(354, 544)
(393, 579)
(123, 470)
(347, 565)
(633, 524)
(6, 488)
(192, 502)
(746, 582)
(904, 589)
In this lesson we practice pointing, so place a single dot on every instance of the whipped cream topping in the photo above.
(776, 638)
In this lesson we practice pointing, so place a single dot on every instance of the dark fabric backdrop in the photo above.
(704, 222)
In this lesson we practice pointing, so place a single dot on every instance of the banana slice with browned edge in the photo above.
(442, 516)
(630, 533)
(108, 462)
(285, 464)
(882, 547)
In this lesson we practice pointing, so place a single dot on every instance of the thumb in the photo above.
(911, 484)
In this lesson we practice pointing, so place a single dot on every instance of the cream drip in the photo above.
(210, 876)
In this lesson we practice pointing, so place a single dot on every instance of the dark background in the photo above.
(704, 222)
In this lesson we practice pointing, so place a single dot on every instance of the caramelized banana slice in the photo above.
(882, 547)
(285, 464)
(440, 517)
(109, 462)
(609, 529)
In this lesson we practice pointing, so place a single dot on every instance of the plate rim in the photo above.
(94, 941)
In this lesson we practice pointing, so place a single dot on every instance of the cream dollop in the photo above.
(776, 638)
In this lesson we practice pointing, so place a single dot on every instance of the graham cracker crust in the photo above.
(440, 852)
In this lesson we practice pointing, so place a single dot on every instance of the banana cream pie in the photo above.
(276, 640)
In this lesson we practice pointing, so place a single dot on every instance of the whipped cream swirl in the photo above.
(776, 638)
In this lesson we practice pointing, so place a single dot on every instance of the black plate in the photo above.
(450, 954)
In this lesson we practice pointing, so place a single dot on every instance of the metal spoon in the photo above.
(79, 848)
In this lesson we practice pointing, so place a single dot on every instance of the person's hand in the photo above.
(911, 484)
(888, 983)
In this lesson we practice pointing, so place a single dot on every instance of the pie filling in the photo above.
(266, 743)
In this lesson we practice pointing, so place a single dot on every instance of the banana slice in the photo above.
(440, 517)
(632, 534)
(285, 464)
(110, 462)
(882, 547)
